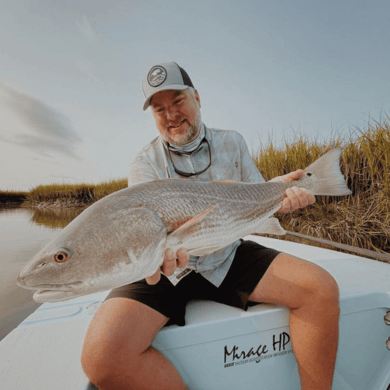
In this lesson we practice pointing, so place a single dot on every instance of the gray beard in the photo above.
(192, 133)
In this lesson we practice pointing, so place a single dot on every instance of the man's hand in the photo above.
(171, 262)
(295, 197)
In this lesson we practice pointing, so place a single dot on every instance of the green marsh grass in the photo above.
(78, 194)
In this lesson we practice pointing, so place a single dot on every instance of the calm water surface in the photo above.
(23, 233)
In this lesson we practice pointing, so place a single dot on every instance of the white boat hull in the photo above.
(220, 347)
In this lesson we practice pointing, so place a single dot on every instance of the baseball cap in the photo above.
(162, 77)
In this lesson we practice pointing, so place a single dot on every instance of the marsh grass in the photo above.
(361, 219)
(78, 194)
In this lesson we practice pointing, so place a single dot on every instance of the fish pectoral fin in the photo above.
(176, 237)
(271, 226)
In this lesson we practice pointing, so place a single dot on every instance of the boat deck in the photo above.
(43, 352)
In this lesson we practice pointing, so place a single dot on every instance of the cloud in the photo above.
(86, 29)
(51, 131)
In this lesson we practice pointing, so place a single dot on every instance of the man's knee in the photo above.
(103, 364)
(119, 333)
(96, 361)
(321, 288)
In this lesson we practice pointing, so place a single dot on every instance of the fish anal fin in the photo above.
(271, 226)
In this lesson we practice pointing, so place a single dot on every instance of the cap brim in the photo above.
(165, 88)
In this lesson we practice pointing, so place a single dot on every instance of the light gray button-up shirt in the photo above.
(230, 160)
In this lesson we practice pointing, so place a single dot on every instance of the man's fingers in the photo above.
(290, 192)
(182, 258)
(310, 197)
(305, 197)
(154, 279)
(295, 175)
(169, 265)
(296, 198)
(286, 206)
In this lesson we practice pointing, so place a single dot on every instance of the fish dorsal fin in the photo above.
(189, 227)
(271, 226)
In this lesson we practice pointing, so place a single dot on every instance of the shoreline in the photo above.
(57, 203)
(48, 204)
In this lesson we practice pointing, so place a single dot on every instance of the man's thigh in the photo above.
(289, 281)
(250, 264)
(120, 330)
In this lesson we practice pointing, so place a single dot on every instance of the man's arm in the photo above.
(295, 197)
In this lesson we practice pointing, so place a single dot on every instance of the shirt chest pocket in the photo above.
(226, 170)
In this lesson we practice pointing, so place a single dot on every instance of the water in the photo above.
(23, 233)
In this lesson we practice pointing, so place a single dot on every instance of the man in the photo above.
(117, 352)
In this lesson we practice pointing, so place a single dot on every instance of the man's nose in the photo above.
(172, 113)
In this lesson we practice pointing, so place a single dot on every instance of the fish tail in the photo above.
(328, 179)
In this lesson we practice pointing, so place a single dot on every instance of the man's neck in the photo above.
(191, 146)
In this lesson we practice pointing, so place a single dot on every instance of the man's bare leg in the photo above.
(117, 353)
(312, 296)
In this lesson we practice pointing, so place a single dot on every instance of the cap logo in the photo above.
(157, 76)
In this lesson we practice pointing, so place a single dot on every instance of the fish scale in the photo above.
(122, 238)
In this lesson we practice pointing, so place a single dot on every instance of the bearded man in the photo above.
(117, 352)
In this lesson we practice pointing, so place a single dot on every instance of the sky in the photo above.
(71, 76)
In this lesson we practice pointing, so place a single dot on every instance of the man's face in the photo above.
(177, 115)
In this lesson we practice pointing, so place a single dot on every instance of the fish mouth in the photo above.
(41, 288)
(42, 296)
(54, 292)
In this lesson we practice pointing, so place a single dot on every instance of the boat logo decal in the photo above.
(236, 355)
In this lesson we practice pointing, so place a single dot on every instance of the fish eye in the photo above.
(61, 257)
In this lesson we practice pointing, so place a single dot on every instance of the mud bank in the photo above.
(10, 200)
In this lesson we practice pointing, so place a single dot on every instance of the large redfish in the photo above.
(122, 238)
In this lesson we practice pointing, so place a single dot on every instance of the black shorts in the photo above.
(250, 263)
